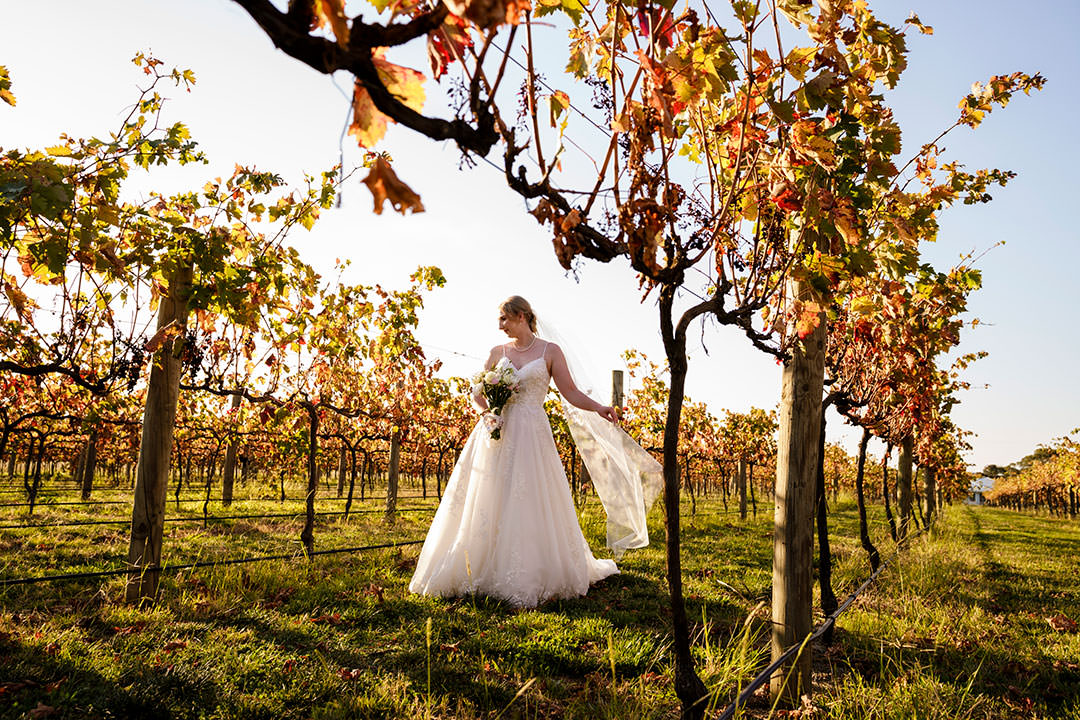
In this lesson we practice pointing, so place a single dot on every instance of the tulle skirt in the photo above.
(506, 526)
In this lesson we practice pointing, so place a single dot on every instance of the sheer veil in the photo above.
(627, 479)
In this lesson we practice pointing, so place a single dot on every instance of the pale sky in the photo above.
(70, 65)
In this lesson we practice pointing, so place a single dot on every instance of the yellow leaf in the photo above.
(19, 301)
(368, 124)
(384, 185)
(405, 84)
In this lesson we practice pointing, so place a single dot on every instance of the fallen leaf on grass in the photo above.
(1061, 623)
(374, 591)
(174, 645)
(42, 710)
(347, 674)
(130, 629)
(331, 619)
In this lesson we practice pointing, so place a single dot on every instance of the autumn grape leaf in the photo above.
(807, 141)
(446, 44)
(913, 19)
(807, 319)
(1063, 623)
(19, 301)
(407, 85)
(559, 103)
(331, 13)
(163, 334)
(384, 185)
(487, 14)
(5, 87)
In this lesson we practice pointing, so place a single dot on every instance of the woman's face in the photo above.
(510, 323)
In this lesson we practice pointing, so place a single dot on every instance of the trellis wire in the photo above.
(204, 563)
(762, 677)
(200, 518)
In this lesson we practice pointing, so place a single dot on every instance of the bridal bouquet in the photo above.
(497, 385)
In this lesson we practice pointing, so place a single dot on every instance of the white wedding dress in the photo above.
(506, 526)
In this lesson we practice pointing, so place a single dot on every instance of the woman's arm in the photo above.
(560, 373)
(478, 397)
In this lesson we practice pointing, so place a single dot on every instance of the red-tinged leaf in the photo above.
(446, 44)
(288, 666)
(347, 674)
(808, 319)
(560, 103)
(174, 645)
(385, 185)
(331, 13)
(787, 199)
(657, 19)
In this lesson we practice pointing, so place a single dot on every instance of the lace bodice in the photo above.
(534, 380)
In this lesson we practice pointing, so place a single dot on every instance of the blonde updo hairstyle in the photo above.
(517, 305)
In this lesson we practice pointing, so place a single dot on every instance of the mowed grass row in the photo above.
(339, 636)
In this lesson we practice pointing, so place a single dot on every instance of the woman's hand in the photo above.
(608, 413)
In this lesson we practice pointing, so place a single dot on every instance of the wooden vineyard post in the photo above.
(228, 476)
(796, 465)
(343, 468)
(307, 535)
(616, 389)
(89, 465)
(740, 480)
(903, 485)
(392, 475)
(155, 446)
(930, 491)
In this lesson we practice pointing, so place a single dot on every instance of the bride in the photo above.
(506, 526)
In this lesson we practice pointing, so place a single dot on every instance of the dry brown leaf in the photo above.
(384, 185)
(1062, 623)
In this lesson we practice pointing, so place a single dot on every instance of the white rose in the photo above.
(491, 377)
(503, 362)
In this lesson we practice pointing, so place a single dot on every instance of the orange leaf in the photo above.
(332, 13)
(385, 185)
(161, 336)
(368, 124)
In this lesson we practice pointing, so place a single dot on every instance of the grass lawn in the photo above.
(957, 628)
